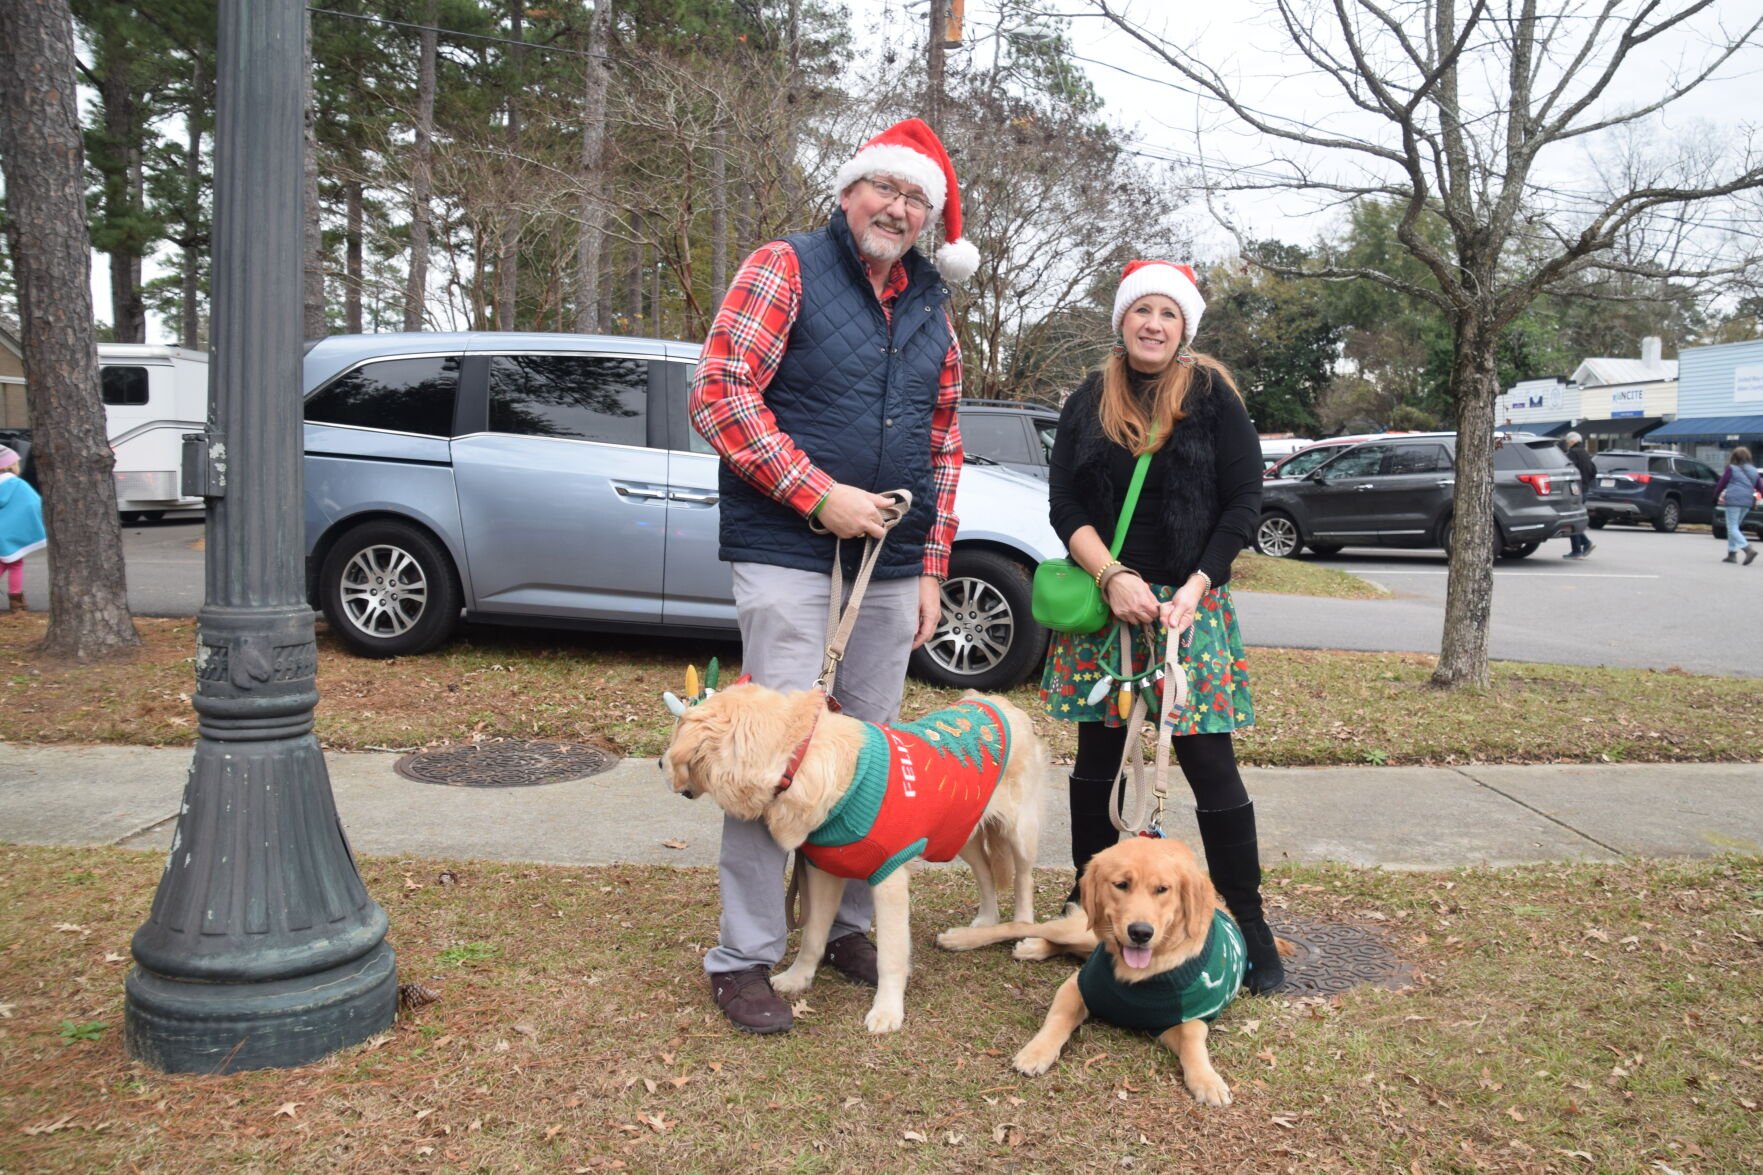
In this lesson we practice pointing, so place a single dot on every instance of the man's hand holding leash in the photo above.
(851, 513)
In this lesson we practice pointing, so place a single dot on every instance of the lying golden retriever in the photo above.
(1162, 957)
(862, 800)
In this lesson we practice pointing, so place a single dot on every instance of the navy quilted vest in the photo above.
(856, 394)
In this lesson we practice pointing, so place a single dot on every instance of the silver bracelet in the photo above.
(1204, 578)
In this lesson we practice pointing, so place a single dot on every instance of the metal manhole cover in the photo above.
(505, 763)
(1333, 957)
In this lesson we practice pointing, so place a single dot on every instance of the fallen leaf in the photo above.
(1249, 1028)
(527, 1030)
(70, 928)
(286, 1109)
(953, 1139)
(6, 1011)
(852, 1101)
(60, 1123)
(1097, 1059)
(912, 1136)
(674, 843)
(1008, 1133)
(1514, 1113)
(649, 1084)
(1267, 1055)
(801, 1008)
(113, 957)
(421, 1114)
(553, 1131)
(656, 1122)
(678, 1082)
(1282, 1120)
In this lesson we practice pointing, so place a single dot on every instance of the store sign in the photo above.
(1747, 384)
(1547, 398)
(1628, 402)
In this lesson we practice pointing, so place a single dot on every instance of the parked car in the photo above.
(1752, 524)
(1399, 491)
(1010, 433)
(1661, 488)
(550, 479)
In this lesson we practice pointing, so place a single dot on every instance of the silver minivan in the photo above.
(553, 479)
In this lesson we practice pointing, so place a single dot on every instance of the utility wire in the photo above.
(457, 34)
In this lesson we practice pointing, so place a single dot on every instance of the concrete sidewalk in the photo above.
(1395, 817)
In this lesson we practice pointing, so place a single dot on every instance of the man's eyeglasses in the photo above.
(888, 192)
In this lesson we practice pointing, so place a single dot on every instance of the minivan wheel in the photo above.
(1669, 516)
(1278, 536)
(388, 590)
(1520, 550)
(987, 638)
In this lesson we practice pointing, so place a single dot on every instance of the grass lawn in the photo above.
(1567, 1019)
(1313, 708)
(1295, 577)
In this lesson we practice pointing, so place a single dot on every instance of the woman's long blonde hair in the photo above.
(1125, 420)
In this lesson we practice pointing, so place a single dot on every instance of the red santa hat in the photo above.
(910, 151)
(1176, 282)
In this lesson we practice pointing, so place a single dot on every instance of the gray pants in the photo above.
(783, 637)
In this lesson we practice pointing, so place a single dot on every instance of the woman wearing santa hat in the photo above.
(1196, 512)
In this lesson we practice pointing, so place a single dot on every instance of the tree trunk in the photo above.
(416, 283)
(122, 202)
(41, 150)
(1469, 591)
(508, 262)
(635, 273)
(352, 256)
(655, 300)
(313, 318)
(591, 242)
(718, 215)
(933, 99)
(195, 241)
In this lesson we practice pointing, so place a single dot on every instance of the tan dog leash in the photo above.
(839, 624)
(1175, 698)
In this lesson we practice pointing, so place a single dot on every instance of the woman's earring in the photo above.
(1119, 345)
(1185, 355)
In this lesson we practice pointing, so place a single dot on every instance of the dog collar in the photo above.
(801, 751)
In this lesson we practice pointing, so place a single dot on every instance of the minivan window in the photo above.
(570, 396)
(123, 385)
(997, 435)
(399, 395)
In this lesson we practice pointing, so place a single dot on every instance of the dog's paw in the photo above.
(884, 1019)
(1036, 1058)
(1209, 1089)
(958, 939)
(984, 918)
(1034, 950)
(792, 982)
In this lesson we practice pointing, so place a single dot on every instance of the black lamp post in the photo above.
(263, 948)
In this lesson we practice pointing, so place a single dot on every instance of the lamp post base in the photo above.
(180, 1026)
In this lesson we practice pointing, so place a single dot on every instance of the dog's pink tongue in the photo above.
(1136, 956)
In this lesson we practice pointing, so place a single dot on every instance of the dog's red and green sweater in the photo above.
(919, 789)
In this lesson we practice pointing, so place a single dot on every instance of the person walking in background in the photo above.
(830, 375)
(1198, 508)
(1580, 542)
(21, 527)
(1736, 492)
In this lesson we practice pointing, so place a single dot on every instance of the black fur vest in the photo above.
(1187, 509)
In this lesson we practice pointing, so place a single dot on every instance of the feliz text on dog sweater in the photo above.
(919, 789)
(1199, 989)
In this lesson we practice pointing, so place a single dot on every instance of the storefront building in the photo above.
(1720, 402)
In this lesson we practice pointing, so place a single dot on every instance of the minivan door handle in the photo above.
(640, 493)
(697, 498)
(1359, 489)
(1447, 481)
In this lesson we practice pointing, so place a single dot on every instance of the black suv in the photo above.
(1657, 487)
(1399, 491)
(1010, 433)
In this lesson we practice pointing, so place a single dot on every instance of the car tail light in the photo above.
(1536, 481)
(1639, 479)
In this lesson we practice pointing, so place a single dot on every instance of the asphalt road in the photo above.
(1642, 600)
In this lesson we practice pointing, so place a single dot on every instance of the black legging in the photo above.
(1208, 760)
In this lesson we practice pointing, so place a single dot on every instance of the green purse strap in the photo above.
(1132, 498)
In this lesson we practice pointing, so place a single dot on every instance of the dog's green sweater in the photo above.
(1199, 989)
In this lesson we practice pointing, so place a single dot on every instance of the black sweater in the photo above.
(1202, 494)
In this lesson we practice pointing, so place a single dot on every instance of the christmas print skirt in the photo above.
(1212, 657)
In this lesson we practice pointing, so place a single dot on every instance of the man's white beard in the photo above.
(883, 249)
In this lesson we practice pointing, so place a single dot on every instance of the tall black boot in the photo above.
(1091, 830)
(1233, 857)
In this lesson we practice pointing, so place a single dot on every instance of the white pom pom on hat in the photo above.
(1176, 282)
(910, 151)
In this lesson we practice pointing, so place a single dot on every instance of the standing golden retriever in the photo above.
(1162, 957)
(739, 747)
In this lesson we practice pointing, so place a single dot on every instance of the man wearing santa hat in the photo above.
(832, 374)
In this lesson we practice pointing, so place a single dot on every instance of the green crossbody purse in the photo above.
(1065, 597)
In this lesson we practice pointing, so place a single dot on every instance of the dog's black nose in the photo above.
(688, 793)
(1140, 933)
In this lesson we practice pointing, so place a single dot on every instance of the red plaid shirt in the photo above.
(741, 355)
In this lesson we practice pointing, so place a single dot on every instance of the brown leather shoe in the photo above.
(854, 956)
(746, 998)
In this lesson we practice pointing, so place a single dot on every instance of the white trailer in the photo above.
(152, 396)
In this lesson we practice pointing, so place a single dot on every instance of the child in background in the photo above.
(21, 527)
